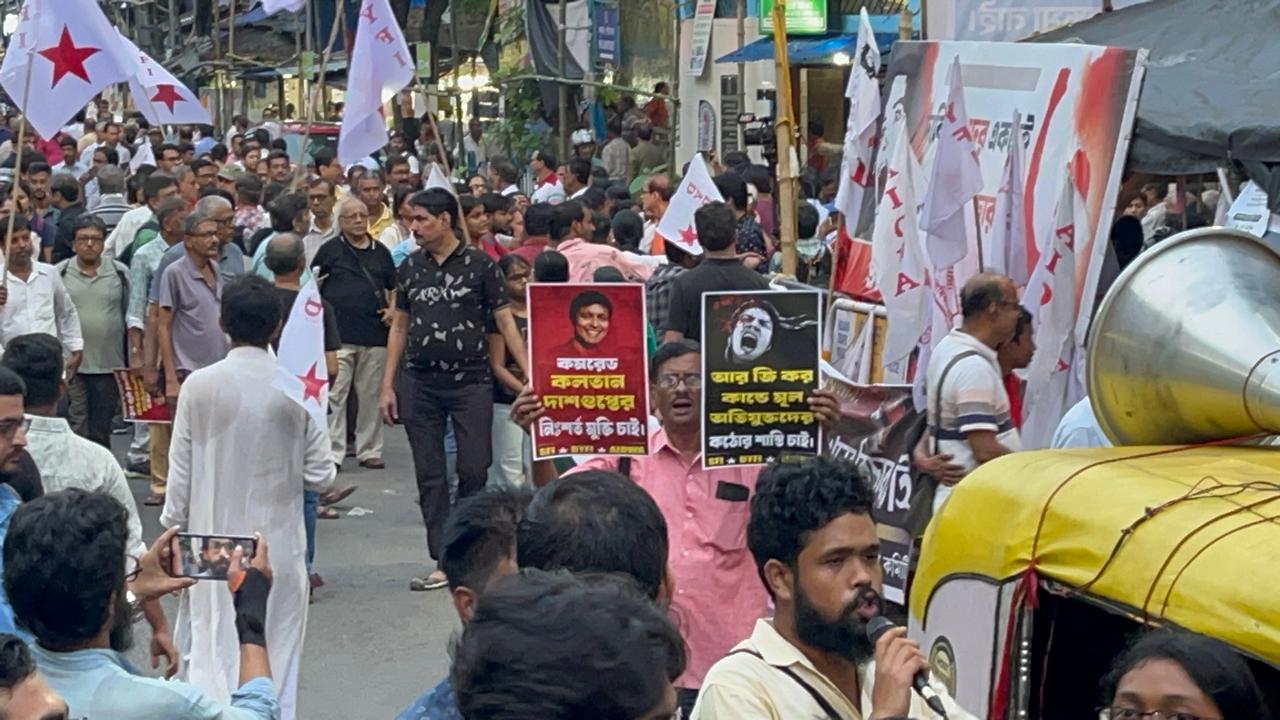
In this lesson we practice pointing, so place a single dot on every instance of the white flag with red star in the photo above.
(696, 190)
(69, 52)
(159, 96)
(300, 370)
(380, 68)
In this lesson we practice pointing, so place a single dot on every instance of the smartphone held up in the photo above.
(209, 557)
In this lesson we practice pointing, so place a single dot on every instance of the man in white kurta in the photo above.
(242, 453)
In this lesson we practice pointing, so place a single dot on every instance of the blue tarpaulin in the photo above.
(805, 50)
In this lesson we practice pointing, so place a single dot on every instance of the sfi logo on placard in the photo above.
(942, 663)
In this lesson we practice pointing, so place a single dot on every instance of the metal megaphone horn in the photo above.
(1185, 347)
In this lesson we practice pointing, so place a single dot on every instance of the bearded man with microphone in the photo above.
(827, 653)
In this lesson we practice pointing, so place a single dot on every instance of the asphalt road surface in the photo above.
(372, 646)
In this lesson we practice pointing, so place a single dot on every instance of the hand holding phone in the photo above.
(209, 557)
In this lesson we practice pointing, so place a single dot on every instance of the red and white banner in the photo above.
(61, 54)
(696, 190)
(161, 99)
(1078, 104)
(863, 92)
(380, 67)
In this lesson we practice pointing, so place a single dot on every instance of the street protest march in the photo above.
(587, 344)
(760, 360)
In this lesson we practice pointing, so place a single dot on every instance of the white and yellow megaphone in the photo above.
(1186, 345)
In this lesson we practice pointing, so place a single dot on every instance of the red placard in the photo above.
(138, 405)
(590, 369)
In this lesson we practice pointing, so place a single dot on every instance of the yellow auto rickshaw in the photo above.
(1042, 565)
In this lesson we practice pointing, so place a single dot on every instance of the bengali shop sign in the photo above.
(759, 366)
(587, 351)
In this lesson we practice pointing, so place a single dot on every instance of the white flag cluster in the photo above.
(860, 140)
(955, 180)
(380, 68)
(61, 54)
(695, 190)
(300, 369)
(900, 266)
(1053, 376)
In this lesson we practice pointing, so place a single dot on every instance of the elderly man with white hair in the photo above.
(230, 260)
(357, 277)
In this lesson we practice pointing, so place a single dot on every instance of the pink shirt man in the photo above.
(585, 257)
(718, 593)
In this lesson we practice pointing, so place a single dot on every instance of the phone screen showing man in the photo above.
(208, 557)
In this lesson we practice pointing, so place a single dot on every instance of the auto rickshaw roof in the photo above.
(1189, 535)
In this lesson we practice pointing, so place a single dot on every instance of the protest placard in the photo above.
(759, 366)
(876, 432)
(138, 405)
(587, 349)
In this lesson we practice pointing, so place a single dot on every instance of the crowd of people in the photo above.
(645, 587)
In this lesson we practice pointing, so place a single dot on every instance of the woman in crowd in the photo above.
(511, 448)
(1178, 675)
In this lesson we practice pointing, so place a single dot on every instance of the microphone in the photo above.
(876, 628)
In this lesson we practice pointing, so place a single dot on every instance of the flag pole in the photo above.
(977, 229)
(309, 105)
(17, 172)
(785, 130)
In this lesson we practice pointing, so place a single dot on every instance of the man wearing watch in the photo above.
(79, 641)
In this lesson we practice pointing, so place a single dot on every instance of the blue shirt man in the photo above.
(100, 683)
(439, 703)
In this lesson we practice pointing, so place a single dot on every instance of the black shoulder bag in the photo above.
(926, 486)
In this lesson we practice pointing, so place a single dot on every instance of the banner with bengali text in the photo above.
(589, 367)
(760, 356)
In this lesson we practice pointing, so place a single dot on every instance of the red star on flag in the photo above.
(688, 235)
(67, 58)
(312, 385)
(168, 94)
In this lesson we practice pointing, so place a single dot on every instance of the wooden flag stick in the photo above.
(444, 157)
(977, 228)
(309, 105)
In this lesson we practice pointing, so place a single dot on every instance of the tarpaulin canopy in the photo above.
(1211, 80)
(1180, 534)
(805, 50)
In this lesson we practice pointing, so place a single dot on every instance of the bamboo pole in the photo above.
(309, 104)
(788, 181)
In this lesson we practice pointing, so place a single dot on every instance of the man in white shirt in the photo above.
(155, 189)
(65, 460)
(504, 175)
(476, 147)
(817, 550)
(35, 300)
(546, 187)
(70, 158)
(1079, 428)
(110, 137)
(968, 407)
